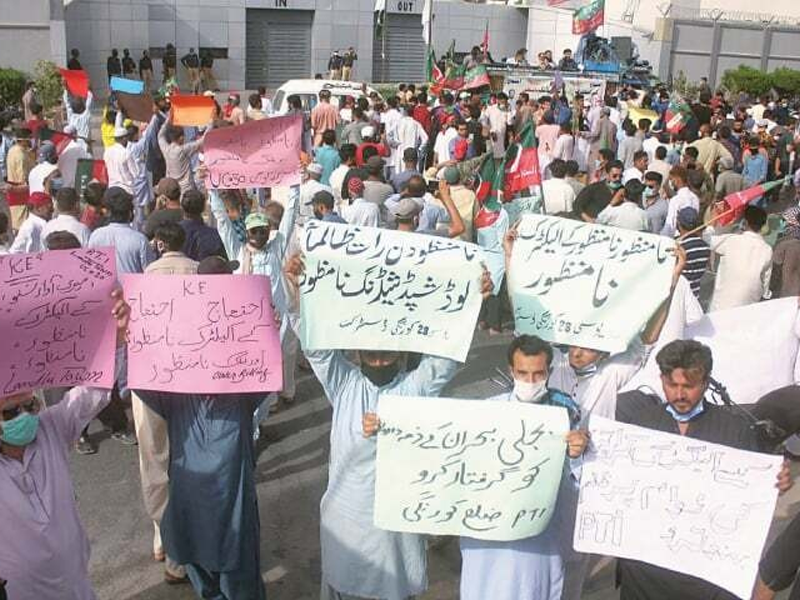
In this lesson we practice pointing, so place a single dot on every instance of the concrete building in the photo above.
(265, 42)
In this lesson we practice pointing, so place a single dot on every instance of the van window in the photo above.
(277, 102)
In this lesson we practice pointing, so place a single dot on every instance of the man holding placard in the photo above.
(557, 257)
(44, 554)
(358, 559)
(685, 367)
(531, 568)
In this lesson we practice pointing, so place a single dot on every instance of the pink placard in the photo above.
(264, 153)
(56, 328)
(202, 334)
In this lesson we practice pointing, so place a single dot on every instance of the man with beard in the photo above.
(360, 560)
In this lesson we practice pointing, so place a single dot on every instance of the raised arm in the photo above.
(286, 227)
(656, 323)
(456, 227)
(224, 226)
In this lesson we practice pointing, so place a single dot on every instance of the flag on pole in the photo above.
(380, 9)
(433, 74)
(738, 201)
(87, 170)
(427, 16)
(489, 183)
(485, 42)
(566, 4)
(588, 17)
(59, 139)
(522, 163)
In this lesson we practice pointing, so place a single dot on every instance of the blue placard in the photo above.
(129, 86)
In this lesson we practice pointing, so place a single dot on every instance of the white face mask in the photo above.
(529, 392)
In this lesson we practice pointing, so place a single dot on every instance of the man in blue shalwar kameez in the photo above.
(211, 523)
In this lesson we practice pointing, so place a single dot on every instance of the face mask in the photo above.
(21, 430)
(615, 185)
(529, 392)
(685, 417)
(318, 215)
(380, 376)
(56, 183)
(649, 192)
(585, 371)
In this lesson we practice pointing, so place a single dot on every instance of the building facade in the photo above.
(266, 42)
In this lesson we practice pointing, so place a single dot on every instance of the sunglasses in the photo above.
(30, 407)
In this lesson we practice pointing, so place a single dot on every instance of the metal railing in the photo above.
(719, 14)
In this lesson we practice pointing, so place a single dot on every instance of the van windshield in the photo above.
(277, 101)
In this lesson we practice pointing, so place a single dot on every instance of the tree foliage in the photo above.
(12, 86)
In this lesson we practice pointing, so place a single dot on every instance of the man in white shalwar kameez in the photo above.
(409, 134)
(358, 559)
(531, 568)
(390, 119)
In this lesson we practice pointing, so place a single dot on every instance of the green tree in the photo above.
(747, 79)
(12, 86)
(48, 84)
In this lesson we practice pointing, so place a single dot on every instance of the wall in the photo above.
(25, 33)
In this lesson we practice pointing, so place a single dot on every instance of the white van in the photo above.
(308, 90)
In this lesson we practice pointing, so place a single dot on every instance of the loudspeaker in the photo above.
(623, 46)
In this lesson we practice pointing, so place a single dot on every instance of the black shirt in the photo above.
(145, 64)
(191, 61)
(74, 64)
(159, 217)
(349, 59)
(592, 199)
(703, 113)
(206, 61)
(202, 241)
(170, 59)
(128, 65)
(113, 65)
(716, 424)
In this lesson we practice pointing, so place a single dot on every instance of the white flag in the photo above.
(380, 5)
(427, 15)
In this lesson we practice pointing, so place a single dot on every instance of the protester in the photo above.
(596, 196)
(684, 197)
(41, 177)
(359, 211)
(322, 203)
(131, 249)
(29, 238)
(67, 206)
(45, 549)
(698, 252)
(745, 263)
(531, 568)
(168, 206)
(202, 241)
(358, 558)
(328, 156)
(324, 116)
(685, 367)
(625, 209)
(559, 195)
(178, 153)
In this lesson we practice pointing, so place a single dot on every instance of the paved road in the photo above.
(291, 476)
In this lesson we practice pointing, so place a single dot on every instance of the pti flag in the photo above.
(489, 182)
(588, 17)
(86, 171)
(60, 140)
(522, 164)
(677, 116)
(736, 203)
(567, 4)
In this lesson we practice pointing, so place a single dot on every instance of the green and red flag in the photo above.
(522, 163)
(59, 139)
(677, 115)
(87, 170)
(490, 179)
(588, 17)
(736, 203)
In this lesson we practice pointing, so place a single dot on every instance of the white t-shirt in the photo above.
(38, 175)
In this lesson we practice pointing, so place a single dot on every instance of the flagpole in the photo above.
(429, 17)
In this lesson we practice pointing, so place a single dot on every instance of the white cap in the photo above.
(315, 168)
(368, 131)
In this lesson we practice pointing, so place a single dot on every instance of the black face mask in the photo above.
(380, 376)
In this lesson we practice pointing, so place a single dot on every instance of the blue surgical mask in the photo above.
(21, 430)
(685, 417)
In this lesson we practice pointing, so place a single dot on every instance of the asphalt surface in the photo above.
(291, 475)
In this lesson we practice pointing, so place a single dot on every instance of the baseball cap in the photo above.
(451, 175)
(688, 217)
(216, 265)
(256, 219)
(406, 208)
(47, 152)
(368, 131)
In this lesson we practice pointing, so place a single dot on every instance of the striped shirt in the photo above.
(697, 255)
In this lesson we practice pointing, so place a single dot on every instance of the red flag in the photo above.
(76, 82)
(59, 139)
(738, 201)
